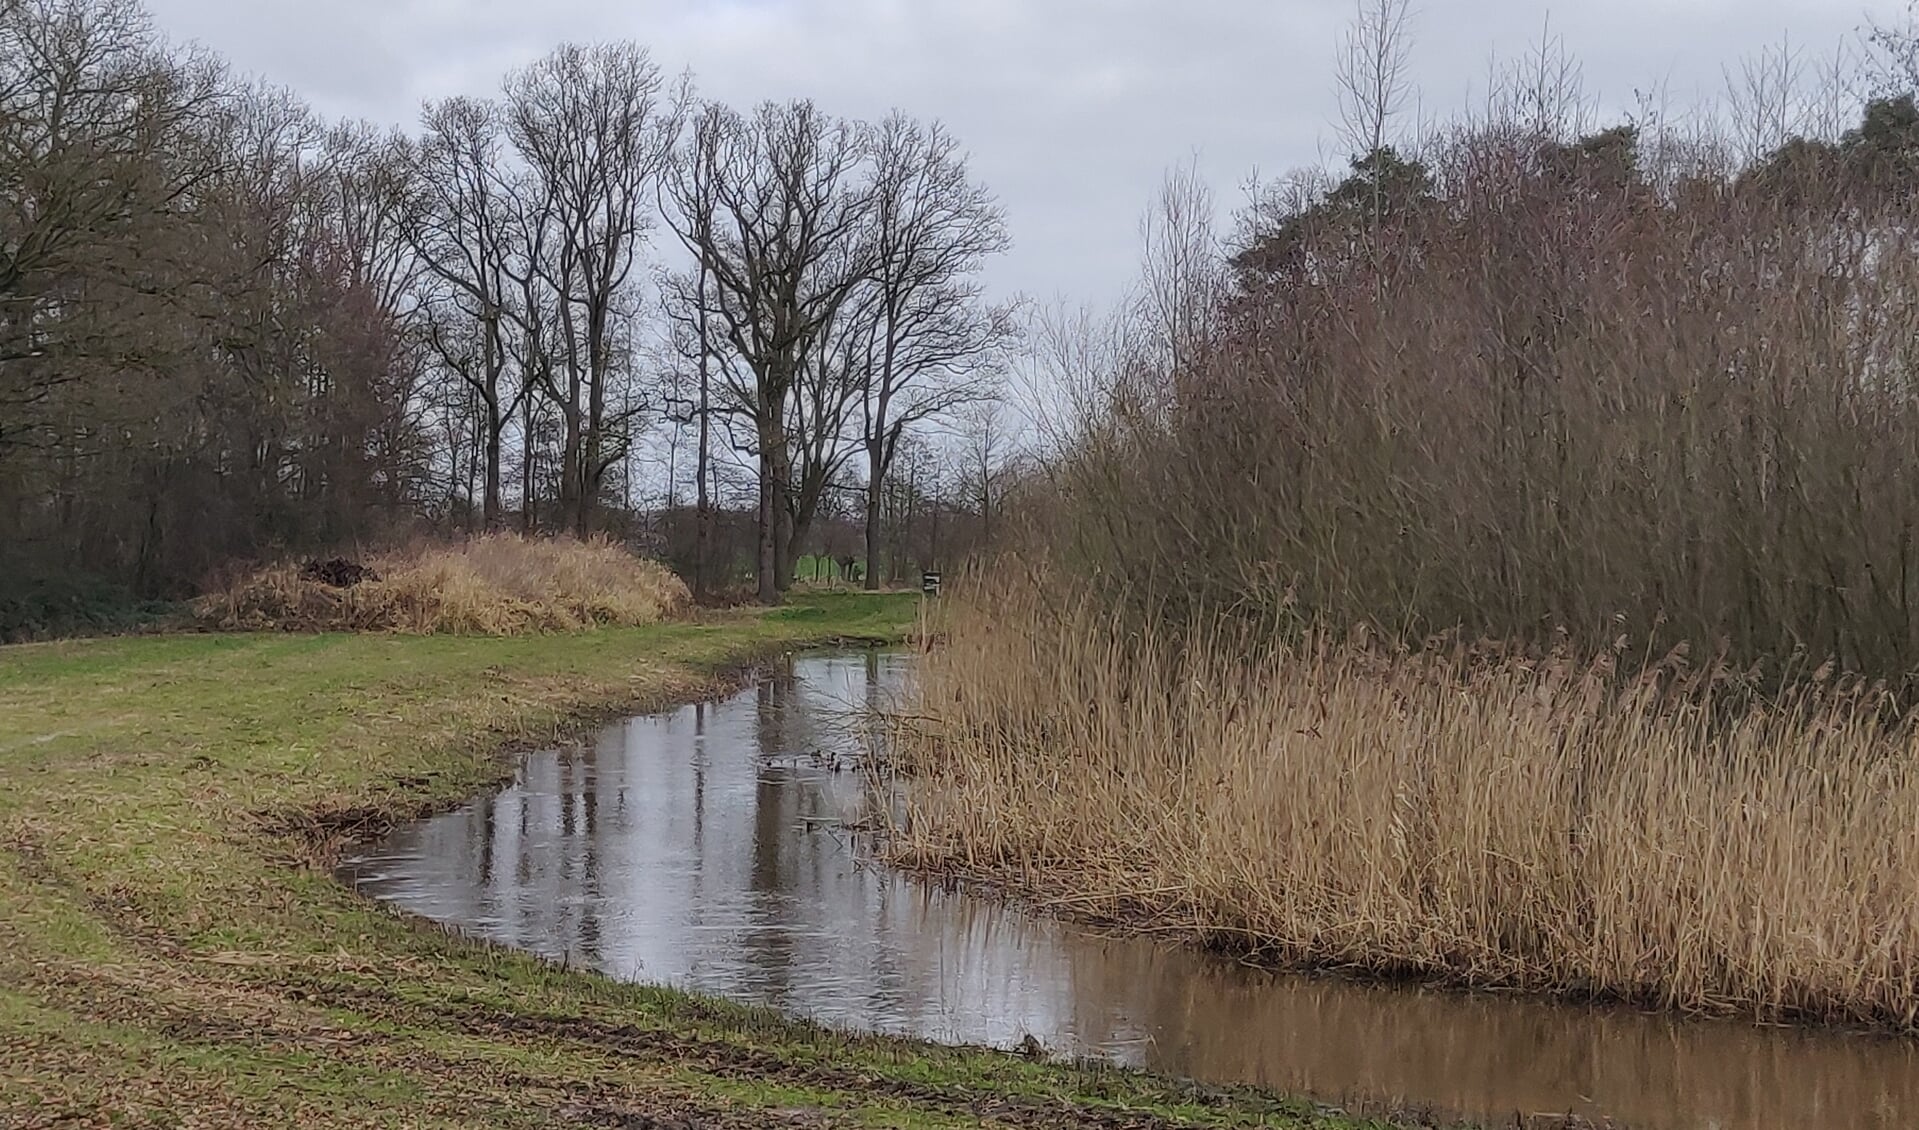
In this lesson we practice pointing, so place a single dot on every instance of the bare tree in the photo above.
(101, 138)
(1182, 275)
(596, 125)
(1371, 73)
(687, 302)
(532, 308)
(230, 327)
(457, 227)
(775, 210)
(1544, 92)
(201, 349)
(1891, 49)
(1767, 100)
(696, 360)
(703, 459)
(985, 449)
(936, 342)
(364, 367)
(833, 377)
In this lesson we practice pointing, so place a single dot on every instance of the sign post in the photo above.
(930, 583)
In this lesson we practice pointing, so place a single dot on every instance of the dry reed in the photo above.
(1538, 823)
(502, 584)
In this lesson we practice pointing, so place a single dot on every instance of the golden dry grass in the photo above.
(1542, 823)
(502, 584)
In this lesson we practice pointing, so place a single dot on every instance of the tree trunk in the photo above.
(784, 561)
(874, 484)
(772, 508)
(490, 507)
(570, 449)
(529, 466)
(570, 457)
(592, 469)
(796, 531)
(475, 475)
(703, 517)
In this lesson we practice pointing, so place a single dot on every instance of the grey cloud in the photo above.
(1071, 107)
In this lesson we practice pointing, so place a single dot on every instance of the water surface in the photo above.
(706, 848)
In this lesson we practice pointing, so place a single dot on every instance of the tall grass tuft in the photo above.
(502, 584)
(1590, 824)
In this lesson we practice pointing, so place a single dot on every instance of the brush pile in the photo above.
(501, 584)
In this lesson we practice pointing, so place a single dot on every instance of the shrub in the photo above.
(1565, 384)
(44, 607)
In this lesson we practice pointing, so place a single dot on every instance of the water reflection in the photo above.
(704, 848)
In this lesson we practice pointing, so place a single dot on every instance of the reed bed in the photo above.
(1475, 815)
(501, 584)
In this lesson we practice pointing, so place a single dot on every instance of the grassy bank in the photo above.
(169, 955)
(1539, 822)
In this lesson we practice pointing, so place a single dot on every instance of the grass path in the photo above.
(171, 955)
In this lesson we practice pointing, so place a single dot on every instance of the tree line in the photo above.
(230, 328)
(1535, 375)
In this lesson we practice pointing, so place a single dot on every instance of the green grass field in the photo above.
(814, 568)
(173, 950)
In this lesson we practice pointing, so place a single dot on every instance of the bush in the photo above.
(74, 605)
(501, 584)
(1557, 385)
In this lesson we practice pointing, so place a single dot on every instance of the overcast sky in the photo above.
(1071, 108)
